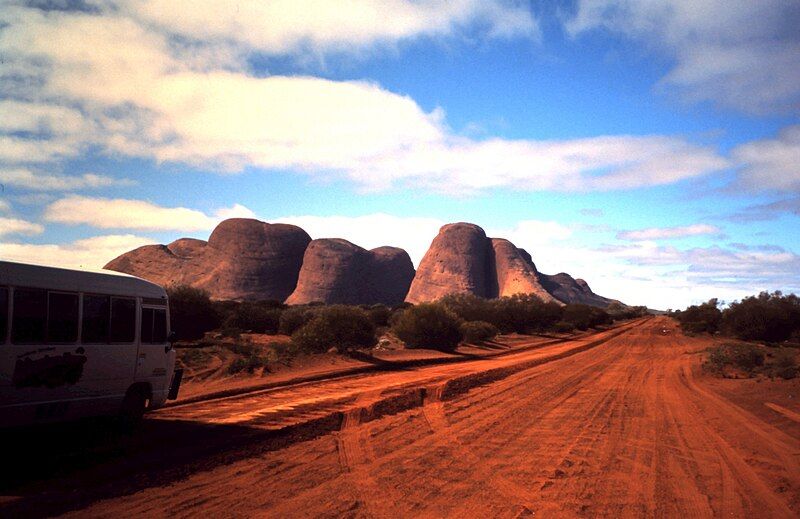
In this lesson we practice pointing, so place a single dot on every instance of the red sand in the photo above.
(628, 427)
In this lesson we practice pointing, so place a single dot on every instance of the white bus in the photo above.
(81, 343)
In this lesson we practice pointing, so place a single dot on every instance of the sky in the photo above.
(651, 147)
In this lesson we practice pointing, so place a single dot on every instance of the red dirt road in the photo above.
(624, 427)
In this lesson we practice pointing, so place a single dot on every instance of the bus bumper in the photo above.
(175, 385)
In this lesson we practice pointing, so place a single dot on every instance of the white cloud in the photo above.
(92, 252)
(141, 96)
(414, 234)
(738, 53)
(665, 233)
(5, 207)
(34, 181)
(17, 226)
(771, 164)
(105, 213)
(321, 26)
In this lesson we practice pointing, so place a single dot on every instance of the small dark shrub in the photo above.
(429, 325)
(379, 315)
(191, 312)
(336, 325)
(293, 318)
(254, 317)
(478, 331)
(746, 357)
(700, 319)
(563, 327)
(784, 365)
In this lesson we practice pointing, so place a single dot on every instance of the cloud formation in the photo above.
(149, 95)
(771, 164)
(666, 233)
(105, 213)
(17, 226)
(738, 53)
(88, 253)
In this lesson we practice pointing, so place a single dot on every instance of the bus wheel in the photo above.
(135, 404)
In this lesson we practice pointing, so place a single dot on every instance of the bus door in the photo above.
(154, 350)
(108, 340)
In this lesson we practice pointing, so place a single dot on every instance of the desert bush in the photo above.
(250, 362)
(478, 331)
(254, 317)
(337, 325)
(429, 325)
(379, 314)
(766, 317)
(745, 357)
(191, 312)
(469, 307)
(563, 327)
(698, 319)
(584, 317)
(784, 364)
(293, 318)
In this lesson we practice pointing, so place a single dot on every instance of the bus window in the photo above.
(30, 316)
(3, 313)
(154, 326)
(96, 311)
(160, 326)
(62, 317)
(123, 319)
(147, 326)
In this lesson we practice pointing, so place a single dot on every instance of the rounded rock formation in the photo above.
(243, 259)
(336, 271)
(456, 262)
(514, 272)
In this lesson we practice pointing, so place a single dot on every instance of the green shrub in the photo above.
(700, 319)
(784, 365)
(429, 325)
(293, 318)
(767, 317)
(192, 313)
(379, 315)
(478, 331)
(746, 357)
(337, 325)
(254, 317)
(563, 327)
(584, 317)
(250, 362)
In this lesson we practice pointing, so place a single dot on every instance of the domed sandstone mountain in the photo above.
(336, 271)
(243, 259)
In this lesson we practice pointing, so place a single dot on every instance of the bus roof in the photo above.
(74, 280)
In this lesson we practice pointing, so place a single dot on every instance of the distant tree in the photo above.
(766, 317)
(429, 325)
(703, 318)
(192, 313)
(338, 326)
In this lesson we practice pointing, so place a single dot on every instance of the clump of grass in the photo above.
(737, 356)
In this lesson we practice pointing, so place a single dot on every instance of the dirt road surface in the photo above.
(620, 424)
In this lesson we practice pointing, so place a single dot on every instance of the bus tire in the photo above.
(136, 402)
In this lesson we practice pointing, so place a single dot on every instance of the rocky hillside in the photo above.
(247, 259)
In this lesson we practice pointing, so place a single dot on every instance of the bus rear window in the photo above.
(62, 317)
(123, 319)
(30, 316)
(3, 313)
(96, 311)
(154, 325)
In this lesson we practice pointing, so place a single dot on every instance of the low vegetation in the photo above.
(735, 360)
(440, 325)
(769, 318)
(339, 326)
(429, 325)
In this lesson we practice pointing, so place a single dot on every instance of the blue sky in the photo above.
(650, 147)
